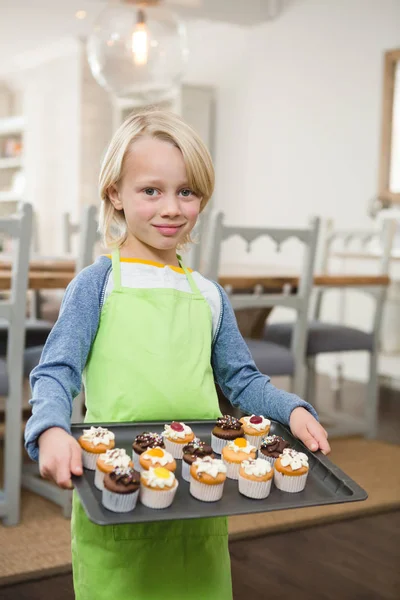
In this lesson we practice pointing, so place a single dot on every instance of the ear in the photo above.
(115, 199)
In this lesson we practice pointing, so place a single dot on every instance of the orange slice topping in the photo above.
(240, 442)
(162, 473)
(155, 452)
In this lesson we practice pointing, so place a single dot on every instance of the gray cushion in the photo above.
(31, 359)
(270, 358)
(36, 334)
(322, 337)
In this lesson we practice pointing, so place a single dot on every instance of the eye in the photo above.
(150, 191)
(187, 193)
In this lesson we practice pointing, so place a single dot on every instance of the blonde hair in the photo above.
(162, 125)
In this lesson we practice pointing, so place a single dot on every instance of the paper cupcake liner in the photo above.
(254, 489)
(290, 483)
(120, 503)
(99, 479)
(254, 440)
(268, 458)
(173, 448)
(157, 498)
(136, 462)
(186, 471)
(89, 460)
(232, 469)
(217, 444)
(205, 492)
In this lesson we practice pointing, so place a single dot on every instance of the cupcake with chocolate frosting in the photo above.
(226, 430)
(191, 452)
(121, 489)
(143, 442)
(272, 447)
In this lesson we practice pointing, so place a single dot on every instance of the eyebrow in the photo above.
(158, 182)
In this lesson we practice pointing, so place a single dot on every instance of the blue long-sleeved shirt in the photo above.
(57, 380)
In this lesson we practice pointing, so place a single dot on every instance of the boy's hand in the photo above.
(308, 430)
(59, 456)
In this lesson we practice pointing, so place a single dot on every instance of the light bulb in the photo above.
(140, 41)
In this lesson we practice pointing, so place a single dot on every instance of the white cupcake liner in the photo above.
(89, 460)
(174, 448)
(186, 471)
(268, 458)
(217, 444)
(157, 498)
(120, 503)
(290, 483)
(136, 462)
(254, 489)
(254, 440)
(232, 469)
(205, 492)
(99, 479)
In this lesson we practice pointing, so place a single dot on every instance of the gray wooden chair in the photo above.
(323, 337)
(271, 358)
(88, 236)
(12, 310)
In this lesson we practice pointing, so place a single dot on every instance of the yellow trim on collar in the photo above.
(152, 263)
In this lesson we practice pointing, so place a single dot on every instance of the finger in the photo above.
(308, 439)
(320, 436)
(76, 460)
(63, 475)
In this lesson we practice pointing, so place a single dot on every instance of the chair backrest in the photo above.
(88, 237)
(68, 231)
(297, 299)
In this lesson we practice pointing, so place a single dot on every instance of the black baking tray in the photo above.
(326, 483)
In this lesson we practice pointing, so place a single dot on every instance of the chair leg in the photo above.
(13, 458)
(311, 381)
(372, 401)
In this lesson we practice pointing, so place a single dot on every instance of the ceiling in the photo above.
(27, 25)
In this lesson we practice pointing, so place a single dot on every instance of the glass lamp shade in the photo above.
(137, 52)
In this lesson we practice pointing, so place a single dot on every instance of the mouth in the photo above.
(168, 229)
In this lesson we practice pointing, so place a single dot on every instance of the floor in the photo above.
(351, 560)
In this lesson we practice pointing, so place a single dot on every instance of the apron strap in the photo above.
(190, 279)
(116, 268)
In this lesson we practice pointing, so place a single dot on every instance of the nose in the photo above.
(170, 206)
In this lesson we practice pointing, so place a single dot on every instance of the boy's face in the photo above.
(160, 209)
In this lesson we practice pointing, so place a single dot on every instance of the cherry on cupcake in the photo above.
(255, 420)
(177, 426)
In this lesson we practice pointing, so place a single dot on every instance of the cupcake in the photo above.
(143, 442)
(95, 441)
(255, 478)
(271, 447)
(106, 463)
(157, 457)
(191, 452)
(291, 471)
(207, 479)
(234, 453)
(121, 489)
(255, 427)
(158, 487)
(228, 428)
(176, 436)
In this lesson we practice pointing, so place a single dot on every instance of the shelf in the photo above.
(12, 125)
(10, 196)
(14, 162)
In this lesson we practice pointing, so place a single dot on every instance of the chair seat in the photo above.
(36, 334)
(270, 358)
(322, 337)
(31, 360)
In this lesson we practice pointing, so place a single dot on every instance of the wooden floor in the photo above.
(349, 560)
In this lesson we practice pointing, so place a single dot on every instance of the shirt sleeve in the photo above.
(57, 380)
(240, 380)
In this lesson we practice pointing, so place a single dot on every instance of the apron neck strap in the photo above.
(189, 276)
(116, 268)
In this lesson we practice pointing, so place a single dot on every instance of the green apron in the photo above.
(151, 361)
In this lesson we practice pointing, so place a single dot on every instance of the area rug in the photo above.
(40, 545)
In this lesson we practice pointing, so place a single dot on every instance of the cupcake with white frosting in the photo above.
(234, 453)
(207, 479)
(95, 441)
(291, 471)
(158, 487)
(157, 457)
(255, 427)
(176, 436)
(107, 462)
(255, 478)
